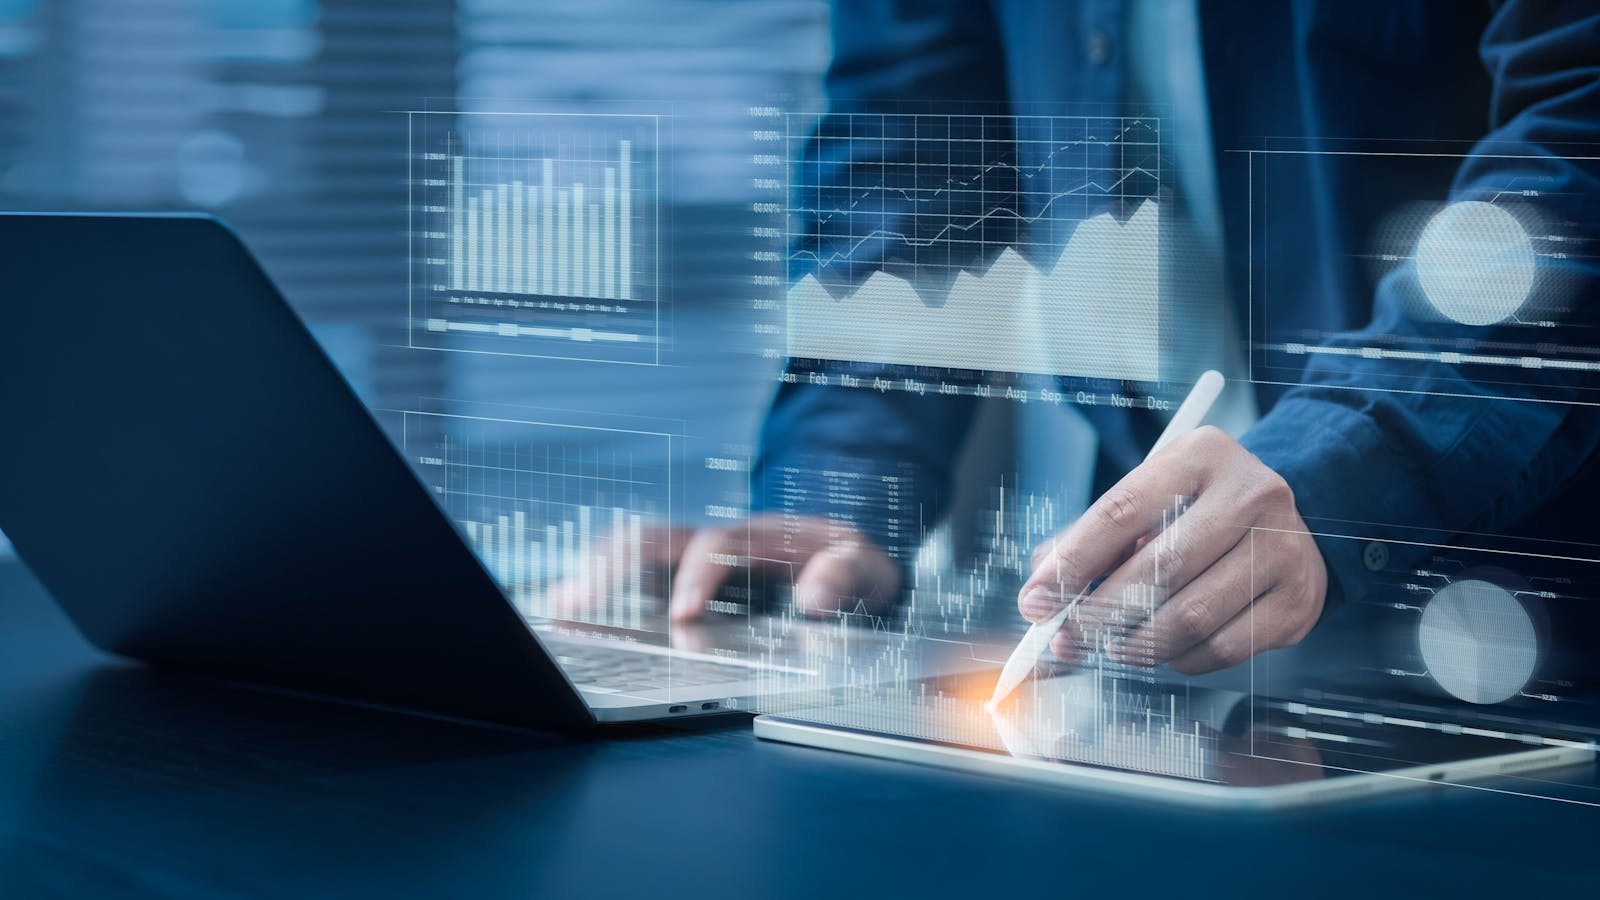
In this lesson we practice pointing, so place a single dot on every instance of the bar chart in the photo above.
(598, 548)
(534, 234)
(558, 514)
(540, 238)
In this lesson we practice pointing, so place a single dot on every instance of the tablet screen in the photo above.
(1174, 731)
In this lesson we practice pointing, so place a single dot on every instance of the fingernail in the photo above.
(1127, 655)
(681, 592)
(1063, 647)
(812, 599)
(1040, 603)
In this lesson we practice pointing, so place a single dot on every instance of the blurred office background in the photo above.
(286, 118)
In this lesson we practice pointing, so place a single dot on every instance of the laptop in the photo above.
(195, 483)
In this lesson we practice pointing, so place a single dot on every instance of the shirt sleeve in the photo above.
(1419, 449)
(878, 459)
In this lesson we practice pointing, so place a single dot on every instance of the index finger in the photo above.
(714, 554)
(1100, 539)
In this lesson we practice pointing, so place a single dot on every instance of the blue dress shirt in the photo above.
(1453, 451)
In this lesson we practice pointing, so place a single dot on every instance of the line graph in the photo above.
(1057, 149)
(1011, 317)
(952, 227)
(1022, 244)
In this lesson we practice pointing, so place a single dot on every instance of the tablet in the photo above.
(1167, 742)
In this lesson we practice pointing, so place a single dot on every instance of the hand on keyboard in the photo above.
(832, 565)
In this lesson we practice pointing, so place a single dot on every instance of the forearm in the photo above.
(880, 461)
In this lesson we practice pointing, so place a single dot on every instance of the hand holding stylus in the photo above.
(1239, 571)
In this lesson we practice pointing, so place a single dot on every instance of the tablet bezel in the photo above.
(1166, 788)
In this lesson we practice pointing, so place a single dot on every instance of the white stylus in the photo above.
(1020, 665)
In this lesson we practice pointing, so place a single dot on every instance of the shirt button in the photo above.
(1098, 48)
(1374, 556)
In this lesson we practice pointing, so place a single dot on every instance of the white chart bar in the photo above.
(502, 550)
(502, 249)
(569, 552)
(635, 596)
(536, 582)
(609, 288)
(563, 246)
(533, 274)
(580, 244)
(488, 263)
(519, 540)
(547, 209)
(458, 226)
(590, 576)
(592, 241)
(618, 563)
(552, 558)
(625, 219)
(519, 254)
(469, 258)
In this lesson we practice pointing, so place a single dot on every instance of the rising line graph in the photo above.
(1024, 244)
(913, 163)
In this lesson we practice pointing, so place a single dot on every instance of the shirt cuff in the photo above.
(1343, 478)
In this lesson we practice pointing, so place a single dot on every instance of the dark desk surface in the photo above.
(116, 781)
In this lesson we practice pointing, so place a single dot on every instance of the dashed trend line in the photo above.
(951, 183)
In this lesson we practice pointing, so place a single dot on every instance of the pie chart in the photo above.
(1475, 263)
(1478, 641)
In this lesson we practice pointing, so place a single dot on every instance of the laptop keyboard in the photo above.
(623, 671)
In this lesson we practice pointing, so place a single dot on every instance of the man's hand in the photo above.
(1238, 571)
(833, 566)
